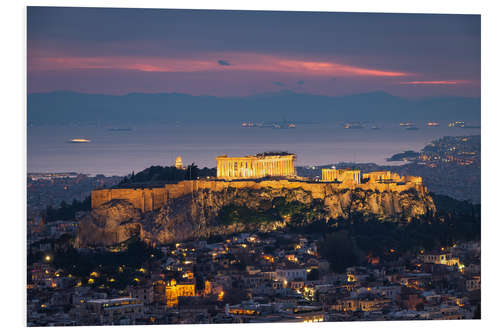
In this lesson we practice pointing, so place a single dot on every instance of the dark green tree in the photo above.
(340, 251)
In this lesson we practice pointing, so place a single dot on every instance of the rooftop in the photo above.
(274, 153)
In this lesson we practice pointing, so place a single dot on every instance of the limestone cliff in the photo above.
(113, 222)
(205, 212)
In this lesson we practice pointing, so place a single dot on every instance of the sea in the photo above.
(120, 152)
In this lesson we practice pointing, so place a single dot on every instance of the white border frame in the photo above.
(13, 21)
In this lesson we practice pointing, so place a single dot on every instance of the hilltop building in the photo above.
(178, 163)
(355, 177)
(272, 164)
(341, 175)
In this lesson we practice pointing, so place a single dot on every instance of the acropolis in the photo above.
(282, 164)
(266, 170)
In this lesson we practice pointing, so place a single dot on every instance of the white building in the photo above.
(290, 274)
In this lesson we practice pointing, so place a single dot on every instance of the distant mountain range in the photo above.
(65, 107)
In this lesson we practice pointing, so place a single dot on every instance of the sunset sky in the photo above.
(239, 53)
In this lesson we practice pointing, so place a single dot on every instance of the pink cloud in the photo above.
(441, 82)
(210, 62)
(329, 68)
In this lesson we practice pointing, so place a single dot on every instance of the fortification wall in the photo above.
(148, 199)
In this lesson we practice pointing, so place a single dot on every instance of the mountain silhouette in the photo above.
(65, 107)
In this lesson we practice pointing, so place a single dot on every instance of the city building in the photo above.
(174, 290)
(112, 311)
(439, 258)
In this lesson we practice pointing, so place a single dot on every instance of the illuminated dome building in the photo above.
(178, 162)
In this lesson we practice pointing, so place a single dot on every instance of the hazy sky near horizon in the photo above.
(238, 53)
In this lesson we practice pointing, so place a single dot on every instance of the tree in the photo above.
(235, 296)
(313, 275)
(477, 312)
(340, 251)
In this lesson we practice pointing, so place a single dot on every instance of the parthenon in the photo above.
(256, 166)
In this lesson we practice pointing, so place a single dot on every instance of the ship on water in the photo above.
(284, 125)
(120, 129)
(267, 124)
(79, 141)
(356, 125)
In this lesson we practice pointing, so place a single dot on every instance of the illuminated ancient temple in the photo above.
(341, 175)
(256, 166)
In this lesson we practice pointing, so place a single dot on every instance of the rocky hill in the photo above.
(208, 212)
